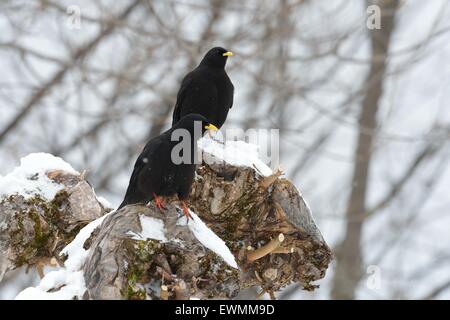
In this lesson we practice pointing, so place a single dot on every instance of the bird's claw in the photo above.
(159, 203)
(185, 210)
(161, 206)
(186, 213)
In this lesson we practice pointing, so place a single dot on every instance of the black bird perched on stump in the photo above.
(166, 167)
(206, 90)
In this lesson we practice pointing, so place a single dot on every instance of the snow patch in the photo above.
(76, 253)
(30, 179)
(105, 203)
(209, 239)
(152, 228)
(71, 285)
(237, 153)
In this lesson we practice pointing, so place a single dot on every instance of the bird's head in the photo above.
(216, 57)
(193, 123)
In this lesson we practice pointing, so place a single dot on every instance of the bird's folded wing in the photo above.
(187, 81)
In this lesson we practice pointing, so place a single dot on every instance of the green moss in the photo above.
(41, 235)
(141, 255)
(132, 291)
(48, 227)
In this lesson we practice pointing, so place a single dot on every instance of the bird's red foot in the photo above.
(159, 202)
(186, 211)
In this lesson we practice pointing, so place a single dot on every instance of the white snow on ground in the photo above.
(152, 228)
(30, 179)
(237, 153)
(69, 279)
(209, 239)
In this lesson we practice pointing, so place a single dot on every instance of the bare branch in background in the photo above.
(59, 75)
(362, 113)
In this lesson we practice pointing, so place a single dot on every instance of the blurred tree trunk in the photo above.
(349, 269)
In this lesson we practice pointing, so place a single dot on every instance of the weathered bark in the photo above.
(247, 211)
(263, 220)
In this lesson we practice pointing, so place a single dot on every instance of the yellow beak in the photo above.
(228, 54)
(211, 127)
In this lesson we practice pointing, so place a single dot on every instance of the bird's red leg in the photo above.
(159, 202)
(186, 210)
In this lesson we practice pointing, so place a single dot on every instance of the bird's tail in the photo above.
(133, 199)
(123, 204)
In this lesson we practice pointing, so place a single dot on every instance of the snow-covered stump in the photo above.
(43, 205)
(142, 253)
(250, 227)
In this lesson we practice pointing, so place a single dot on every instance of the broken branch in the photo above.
(266, 249)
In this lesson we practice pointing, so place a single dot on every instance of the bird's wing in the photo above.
(133, 194)
(180, 97)
(150, 148)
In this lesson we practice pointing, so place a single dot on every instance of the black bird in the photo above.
(156, 174)
(206, 90)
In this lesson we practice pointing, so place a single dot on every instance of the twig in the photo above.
(266, 249)
(268, 181)
(164, 295)
(284, 250)
(59, 75)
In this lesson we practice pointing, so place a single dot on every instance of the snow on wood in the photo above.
(67, 282)
(209, 239)
(30, 179)
(236, 153)
(152, 228)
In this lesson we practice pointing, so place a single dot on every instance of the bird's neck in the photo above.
(211, 65)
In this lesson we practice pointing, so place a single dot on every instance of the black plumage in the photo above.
(156, 175)
(207, 90)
